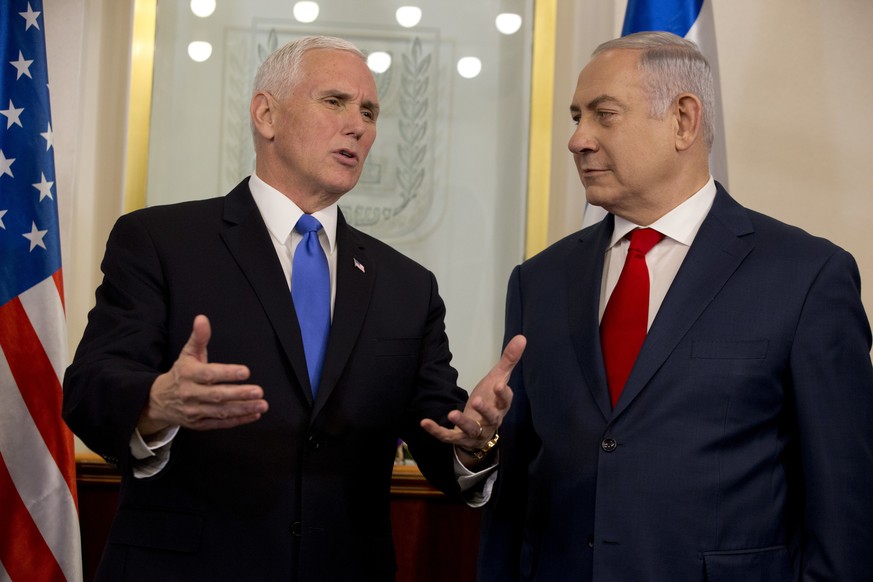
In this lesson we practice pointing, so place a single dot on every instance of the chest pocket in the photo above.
(729, 350)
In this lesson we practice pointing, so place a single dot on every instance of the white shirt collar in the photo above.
(680, 224)
(281, 214)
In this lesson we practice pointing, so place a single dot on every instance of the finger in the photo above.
(220, 394)
(439, 432)
(223, 414)
(501, 402)
(468, 425)
(208, 374)
(195, 347)
(490, 418)
(510, 357)
(218, 423)
(501, 371)
(226, 409)
(492, 413)
(502, 397)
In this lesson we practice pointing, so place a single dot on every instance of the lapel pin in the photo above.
(359, 266)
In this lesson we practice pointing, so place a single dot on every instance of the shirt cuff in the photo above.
(476, 486)
(152, 456)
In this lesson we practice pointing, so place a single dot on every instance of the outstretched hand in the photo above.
(199, 395)
(488, 404)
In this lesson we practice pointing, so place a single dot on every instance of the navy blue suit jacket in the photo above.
(303, 493)
(741, 447)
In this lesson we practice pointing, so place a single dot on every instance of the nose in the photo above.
(582, 141)
(356, 125)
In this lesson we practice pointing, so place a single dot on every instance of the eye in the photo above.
(332, 101)
(604, 115)
(576, 118)
(370, 115)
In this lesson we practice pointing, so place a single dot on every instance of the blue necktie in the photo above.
(310, 290)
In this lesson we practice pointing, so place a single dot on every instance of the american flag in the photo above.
(39, 525)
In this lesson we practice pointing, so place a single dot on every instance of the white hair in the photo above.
(280, 71)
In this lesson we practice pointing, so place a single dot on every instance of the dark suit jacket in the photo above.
(303, 493)
(742, 445)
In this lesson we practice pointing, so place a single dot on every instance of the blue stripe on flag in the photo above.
(30, 249)
(676, 16)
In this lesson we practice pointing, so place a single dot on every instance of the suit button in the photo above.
(608, 445)
(296, 529)
(590, 541)
(313, 443)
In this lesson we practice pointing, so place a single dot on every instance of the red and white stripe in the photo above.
(39, 524)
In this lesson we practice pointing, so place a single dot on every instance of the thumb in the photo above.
(195, 347)
(510, 357)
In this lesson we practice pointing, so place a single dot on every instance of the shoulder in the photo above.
(580, 247)
(187, 217)
(172, 223)
(773, 236)
(196, 210)
(743, 221)
(776, 246)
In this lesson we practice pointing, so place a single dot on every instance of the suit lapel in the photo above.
(355, 278)
(717, 251)
(248, 240)
(582, 305)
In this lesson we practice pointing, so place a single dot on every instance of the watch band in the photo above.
(483, 452)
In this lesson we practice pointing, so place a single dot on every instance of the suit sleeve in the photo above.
(436, 394)
(122, 350)
(504, 516)
(832, 381)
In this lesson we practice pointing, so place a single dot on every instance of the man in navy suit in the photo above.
(234, 465)
(740, 446)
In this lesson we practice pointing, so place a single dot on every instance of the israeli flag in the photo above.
(693, 20)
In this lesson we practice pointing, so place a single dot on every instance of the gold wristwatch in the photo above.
(483, 452)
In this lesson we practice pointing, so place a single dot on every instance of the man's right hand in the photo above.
(199, 395)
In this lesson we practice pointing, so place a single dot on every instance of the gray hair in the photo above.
(280, 71)
(671, 65)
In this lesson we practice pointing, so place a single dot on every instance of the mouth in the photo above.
(346, 154)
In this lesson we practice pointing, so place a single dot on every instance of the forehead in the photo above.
(342, 70)
(613, 73)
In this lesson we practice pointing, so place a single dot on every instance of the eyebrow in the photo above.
(367, 104)
(597, 101)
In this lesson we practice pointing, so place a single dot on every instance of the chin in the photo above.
(340, 187)
(598, 197)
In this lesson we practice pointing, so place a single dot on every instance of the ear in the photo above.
(263, 111)
(688, 112)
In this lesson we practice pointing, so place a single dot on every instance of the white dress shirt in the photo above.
(280, 215)
(679, 227)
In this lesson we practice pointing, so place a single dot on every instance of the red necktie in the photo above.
(624, 323)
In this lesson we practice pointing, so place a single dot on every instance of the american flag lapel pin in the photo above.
(359, 266)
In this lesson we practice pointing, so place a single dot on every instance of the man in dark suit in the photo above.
(242, 457)
(739, 446)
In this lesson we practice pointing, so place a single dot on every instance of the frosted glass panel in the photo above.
(445, 182)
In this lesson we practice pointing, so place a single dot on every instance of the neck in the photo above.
(649, 208)
(309, 203)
